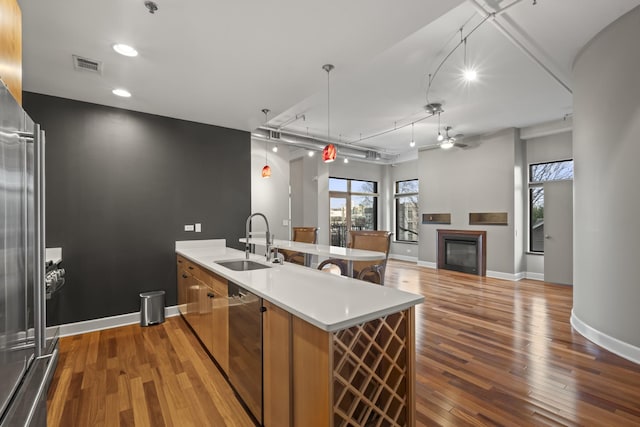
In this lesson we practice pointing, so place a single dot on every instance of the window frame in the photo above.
(396, 198)
(348, 196)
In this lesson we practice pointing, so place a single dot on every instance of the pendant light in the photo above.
(413, 141)
(329, 152)
(266, 170)
(469, 73)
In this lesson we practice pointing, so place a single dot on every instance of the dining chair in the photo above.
(304, 235)
(371, 271)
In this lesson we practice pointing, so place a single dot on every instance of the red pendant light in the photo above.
(329, 153)
(266, 170)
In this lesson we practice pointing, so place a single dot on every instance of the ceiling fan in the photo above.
(448, 141)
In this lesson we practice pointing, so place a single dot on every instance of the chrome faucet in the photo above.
(267, 235)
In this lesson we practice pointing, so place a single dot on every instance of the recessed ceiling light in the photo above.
(124, 49)
(346, 160)
(310, 153)
(121, 92)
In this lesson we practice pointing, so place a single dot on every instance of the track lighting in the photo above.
(469, 73)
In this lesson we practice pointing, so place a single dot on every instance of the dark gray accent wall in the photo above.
(120, 187)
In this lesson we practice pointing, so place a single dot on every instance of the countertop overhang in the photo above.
(327, 301)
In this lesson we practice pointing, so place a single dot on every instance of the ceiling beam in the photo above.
(516, 35)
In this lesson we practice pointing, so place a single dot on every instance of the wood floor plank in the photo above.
(489, 353)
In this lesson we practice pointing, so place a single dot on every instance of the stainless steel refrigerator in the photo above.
(28, 354)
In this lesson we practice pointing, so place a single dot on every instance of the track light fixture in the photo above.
(469, 73)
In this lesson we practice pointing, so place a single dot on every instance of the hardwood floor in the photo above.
(133, 376)
(489, 352)
(493, 352)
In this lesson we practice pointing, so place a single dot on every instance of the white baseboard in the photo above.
(403, 257)
(605, 341)
(534, 276)
(428, 264)
(107, 322)
(505, 276)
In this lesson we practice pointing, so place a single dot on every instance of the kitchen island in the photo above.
(336, 351)
(326, 251)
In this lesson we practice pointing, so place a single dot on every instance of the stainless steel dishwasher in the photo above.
(245, 347)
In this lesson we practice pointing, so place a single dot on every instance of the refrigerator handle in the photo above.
(40, 318)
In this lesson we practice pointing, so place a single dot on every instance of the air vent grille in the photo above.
(274, 134)
(86, 64)
(373, 155)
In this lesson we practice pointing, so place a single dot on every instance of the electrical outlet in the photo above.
(198, 227)
(188, 227)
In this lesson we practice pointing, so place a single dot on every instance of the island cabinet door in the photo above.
(276, 356)
(215, 322)
(312, 375)
(182, 284)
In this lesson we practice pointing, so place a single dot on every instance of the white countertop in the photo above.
(325, 300)
(322, 250)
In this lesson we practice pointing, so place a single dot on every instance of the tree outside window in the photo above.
(406, 198)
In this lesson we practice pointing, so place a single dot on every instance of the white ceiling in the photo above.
(222, 62)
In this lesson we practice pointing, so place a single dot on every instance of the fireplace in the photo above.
(463, 250)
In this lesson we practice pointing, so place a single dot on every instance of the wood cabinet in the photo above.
(203, 302)
(11, 47)
(182, 281)
(361, 375)
(276, 359)
(215, 319)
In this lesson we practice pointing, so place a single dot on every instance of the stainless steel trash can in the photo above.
(151, 308)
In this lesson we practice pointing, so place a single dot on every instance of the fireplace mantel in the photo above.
(477, 236)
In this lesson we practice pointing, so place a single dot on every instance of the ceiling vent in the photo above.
(372, 155)
(274, 134)
(86, 64)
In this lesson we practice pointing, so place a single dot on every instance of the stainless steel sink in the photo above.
(242, 265)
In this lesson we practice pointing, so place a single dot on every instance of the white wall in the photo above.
(478, 179)
(270, 195)
(543, 149)
(296, 173)
(401, 172)
(606, 149)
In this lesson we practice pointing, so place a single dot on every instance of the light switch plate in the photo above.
(188, 227)
(285, 222)
(198, 227)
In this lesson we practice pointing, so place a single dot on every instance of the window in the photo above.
(353, 205)
(540, 173)
(406, 196)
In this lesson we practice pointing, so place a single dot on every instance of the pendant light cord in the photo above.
(328, 106)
